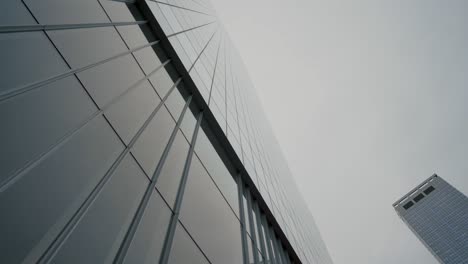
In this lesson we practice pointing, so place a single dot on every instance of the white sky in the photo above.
(367, 99)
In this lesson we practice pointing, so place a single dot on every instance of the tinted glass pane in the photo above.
(175, 103)
(67, 11)
(147, 59)
(117, 11)
(98, 235)
(184, 250)
(82, 47)
(149, 147)
(129, 113)
(133, 35)
(46, 114)
(148, 241)
(168, 181)
(13, 12)
(49, 194)
(209, 219)
(23, 56)
(162, 82)
(217, 170)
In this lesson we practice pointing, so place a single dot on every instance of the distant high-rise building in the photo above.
(437, 213)
(131, 133)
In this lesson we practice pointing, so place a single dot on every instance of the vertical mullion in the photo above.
(276, 248)
(252, 227)
(268, 239)
(261, 239)
(240, 191)
(180, 195)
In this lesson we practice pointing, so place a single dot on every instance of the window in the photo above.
(429, 189)
(408, 205)
(418, 197)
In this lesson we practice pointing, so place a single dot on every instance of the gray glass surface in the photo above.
(129, 113)
(36, 115)
(67, 11)
(217, 170)
(147, 244)
(149, 147)
(184, 250)
(171, 173)
(85, 46)
(106, 81)
(97, 236)
(175, 103)
(117, 11)
(13, 12)
(23, 58)
(133, 35)
(209, 219)
(147, 59)
(49, 194)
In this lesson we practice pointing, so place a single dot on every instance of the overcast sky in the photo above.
(367, 99)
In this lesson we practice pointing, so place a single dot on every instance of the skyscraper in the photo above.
(437, 213)
(131, 133)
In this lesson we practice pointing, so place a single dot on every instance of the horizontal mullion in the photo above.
(40, 27)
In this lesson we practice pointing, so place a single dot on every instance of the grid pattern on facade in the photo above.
(439, 219)
(103, 149)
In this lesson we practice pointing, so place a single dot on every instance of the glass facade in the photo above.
(437, 214)
(131, 133)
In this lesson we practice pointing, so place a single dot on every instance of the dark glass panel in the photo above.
(85, 46)
(217, 170)
(184, 250)
(34, 121)
(67, 11)
(168, 181)
(13, 12)
(106, 81)
(46, 197)
(129, 113)
(99, 233)
(209, 219)
(23, 56)
(149, 238)
(149, 147)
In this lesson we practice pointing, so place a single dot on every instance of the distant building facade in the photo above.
(131, 133)
(437, 213)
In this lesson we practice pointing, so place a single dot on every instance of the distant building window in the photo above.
(418, 197)
(429, 190)
(408, 205)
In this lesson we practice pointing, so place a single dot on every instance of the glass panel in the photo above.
(129, 113)
(209, 219)
(99, 233)
(149, 147)
(13, 12)
(108, 80)
(46, 197)
(133, 35)
(67, 11)
(149, 238)
(175, 103)
(23, 58)
(47, 114)
(217, 170)
(184, 250)
(147, 59)
(117, 11)
(168, 181)
(82, 47)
